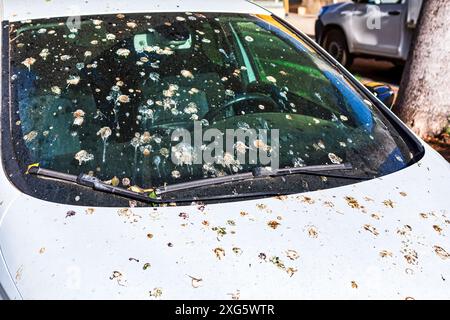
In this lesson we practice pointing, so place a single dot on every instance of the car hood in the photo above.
(385, 238)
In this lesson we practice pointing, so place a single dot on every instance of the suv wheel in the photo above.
(335, 44)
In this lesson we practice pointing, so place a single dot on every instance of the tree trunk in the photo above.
(424, 97)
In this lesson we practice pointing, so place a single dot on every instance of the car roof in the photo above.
(18, 10)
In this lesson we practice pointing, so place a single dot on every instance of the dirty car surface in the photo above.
(103, 99)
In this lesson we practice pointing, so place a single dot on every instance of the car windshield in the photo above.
(106, 95)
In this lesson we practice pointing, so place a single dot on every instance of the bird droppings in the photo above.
(70, 213)
(291, 271)
(437, 228)
(313, 232)
(146, 266)
(235, 295)
(406, 229)
(388, 203)
(277, 262)
(128, 215)
(42, 250)
(354, 285)
(237, 251)
(403, 194)
(371, 229)
(156, 293)
(90, 211)
(219, 252)
(149, 235)
(441, 252)
(352, 202)
(273, 224)
(19, 273)
(196, 282)
(410, 256)
(292, 254)
(307, 200)
(385, 254)
(221, 231)
(119, 277)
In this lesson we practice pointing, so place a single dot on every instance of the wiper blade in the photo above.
(261, 172)
(96, 184)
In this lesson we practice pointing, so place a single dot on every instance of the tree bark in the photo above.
(424, 97)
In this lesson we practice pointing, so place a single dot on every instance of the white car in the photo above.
(99, 199)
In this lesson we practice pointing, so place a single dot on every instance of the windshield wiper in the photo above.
(98, 185)
(262, 172)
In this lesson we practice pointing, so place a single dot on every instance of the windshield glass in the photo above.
(116, 95)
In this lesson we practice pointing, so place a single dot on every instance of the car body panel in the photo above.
(389, 240)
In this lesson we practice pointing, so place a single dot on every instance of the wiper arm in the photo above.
(261, 172)
(96, 184)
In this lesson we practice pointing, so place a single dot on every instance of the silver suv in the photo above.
(380, 29)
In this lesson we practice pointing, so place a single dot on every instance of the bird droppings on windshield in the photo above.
(312, 232)
(156, 293)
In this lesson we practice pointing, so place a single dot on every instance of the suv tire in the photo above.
(335, 43)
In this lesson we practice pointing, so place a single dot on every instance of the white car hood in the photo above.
(389, 240)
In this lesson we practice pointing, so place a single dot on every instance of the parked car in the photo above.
(380, 29)
(98, 199)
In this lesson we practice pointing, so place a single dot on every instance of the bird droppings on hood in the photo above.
(262, 256)
(149, 235)
(282, 197)
(354, 285)
(221, 231)
(371, 229)
(219, 252)
(184, 215)
(146, 266)
(375, 216)
(277, 262)
(313, 232)
(406, 229)
(70, 213)
(410, 255)
(235, 295)
(292, 254)
(385, 254)
(128, 215)
(19, 273)
(291, 271)
(273, 224)
(196, 282)
(237, 251)
(403, 194)
(156, 293)
(441, 252)
(263, 207)
(352, 202)
(388, 203)
(307, 200)
(119, 277)
(438, 229)
(90, 211)
(133, 259)
(42, 250)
